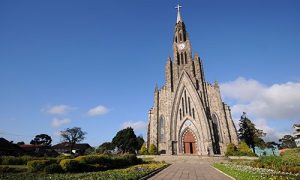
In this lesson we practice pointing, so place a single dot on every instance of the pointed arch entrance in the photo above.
(189, 142)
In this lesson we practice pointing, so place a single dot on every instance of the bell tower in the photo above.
(182, 50)
(188, 115)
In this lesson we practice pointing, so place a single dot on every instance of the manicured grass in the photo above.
(132, 173)
(237, 174)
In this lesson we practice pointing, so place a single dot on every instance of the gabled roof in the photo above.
(29, 147)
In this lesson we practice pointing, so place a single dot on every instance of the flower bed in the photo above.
(241, 172)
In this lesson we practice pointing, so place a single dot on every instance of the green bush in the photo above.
(37, 165)
(152, 149)
(98, 162)
(94, 159)
(230, 149)
(130, 159)
(143, 150)
(12, 160)
(125, 160)
(53, 168)
(72, 165)
(242, 150)
(104, 162)
(7, 169)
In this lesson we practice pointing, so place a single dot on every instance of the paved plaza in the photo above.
(190, 171)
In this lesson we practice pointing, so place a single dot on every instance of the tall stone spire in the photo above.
(178, 13)
(182, 51)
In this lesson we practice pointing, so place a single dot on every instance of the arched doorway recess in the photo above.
(189, 143)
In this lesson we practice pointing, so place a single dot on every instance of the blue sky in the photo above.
(94, 64)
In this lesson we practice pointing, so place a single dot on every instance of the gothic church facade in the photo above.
(188, 115)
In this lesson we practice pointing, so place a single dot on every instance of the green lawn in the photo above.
(132, 173)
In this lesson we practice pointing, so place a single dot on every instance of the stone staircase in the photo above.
(190, 159)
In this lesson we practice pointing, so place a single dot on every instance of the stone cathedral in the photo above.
(188, 115)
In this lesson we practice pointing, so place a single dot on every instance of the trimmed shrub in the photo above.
(95, 159)
(130, 159)
(7, 169)
(71, 165)
(152, 149)
(230, 149)
(244, 149)
(125, 160)
(143, 150)
(11, 160)
(53, 168)
(37, 165)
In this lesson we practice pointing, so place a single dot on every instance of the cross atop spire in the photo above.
(178, 13)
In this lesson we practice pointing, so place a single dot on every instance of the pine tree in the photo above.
(249, 134)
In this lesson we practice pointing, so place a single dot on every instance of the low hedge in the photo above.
(53, 168)
(95, 159)
(12, 160)
(37, 165)
(83, 163)
(71, 165)
(109, 162)
(241, 150)
(7, 169)
(125, 160)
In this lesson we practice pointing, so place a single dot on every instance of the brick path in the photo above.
(187, 171)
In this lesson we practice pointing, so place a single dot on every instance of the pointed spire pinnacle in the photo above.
(178, 13)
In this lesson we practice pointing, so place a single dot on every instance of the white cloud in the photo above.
(278, 101)
(59, 122)
(271, 133)
(59, 109)
(98, 110)
(137, 126)
(264, 103)
(242, 89)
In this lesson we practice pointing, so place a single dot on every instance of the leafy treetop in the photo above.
(42, 139)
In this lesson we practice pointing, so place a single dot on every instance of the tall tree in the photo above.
(72, 136)
(287, 141)
(249, 133)
(140, 141)
(126, 141)
(42, 139)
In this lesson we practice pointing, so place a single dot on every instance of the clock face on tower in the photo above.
(181, 46)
